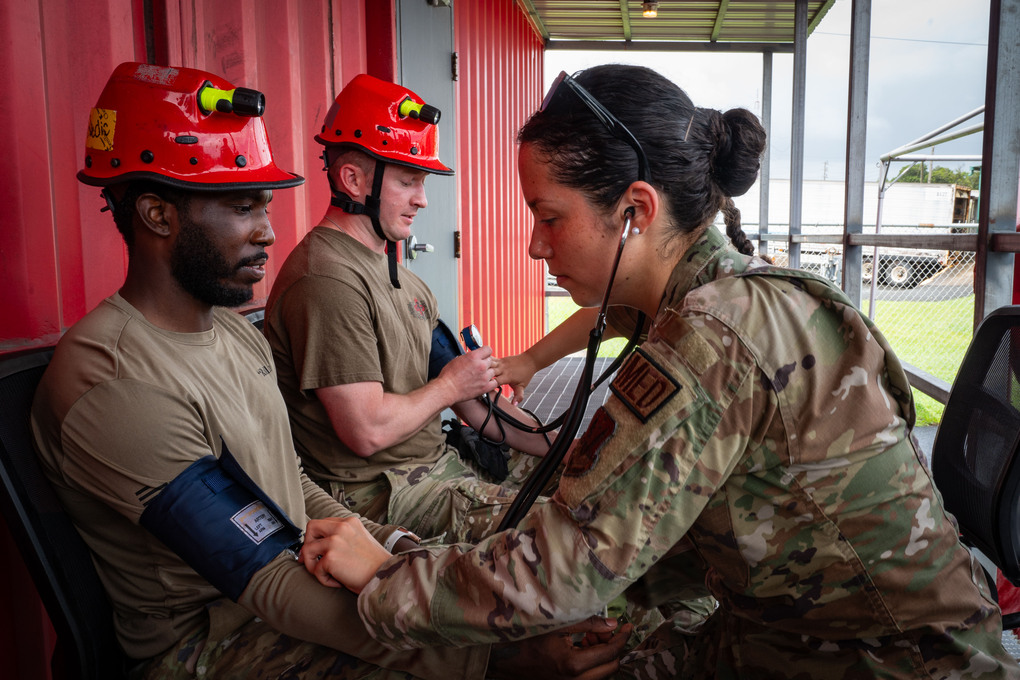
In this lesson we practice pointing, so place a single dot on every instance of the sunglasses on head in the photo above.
(612, 123)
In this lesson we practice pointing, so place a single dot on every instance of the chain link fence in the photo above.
(922, 301)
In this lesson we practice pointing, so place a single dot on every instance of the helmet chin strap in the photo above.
(370, 208)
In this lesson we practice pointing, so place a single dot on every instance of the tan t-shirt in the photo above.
(123, 409)
(333, 318)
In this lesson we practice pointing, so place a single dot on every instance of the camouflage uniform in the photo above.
(767, 421)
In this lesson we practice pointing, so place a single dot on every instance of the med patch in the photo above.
(643, 386)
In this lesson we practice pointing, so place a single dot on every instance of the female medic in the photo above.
(760, 437)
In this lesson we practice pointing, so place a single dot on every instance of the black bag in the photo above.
(490, 457)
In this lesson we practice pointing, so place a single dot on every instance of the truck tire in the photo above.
(866, 272)
(901, 274)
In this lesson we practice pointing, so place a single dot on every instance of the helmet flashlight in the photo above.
(423, 112)
(241, 100)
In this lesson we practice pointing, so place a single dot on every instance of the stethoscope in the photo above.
(570, 421)
(572, 417)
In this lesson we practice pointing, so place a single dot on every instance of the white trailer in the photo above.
(908, 208)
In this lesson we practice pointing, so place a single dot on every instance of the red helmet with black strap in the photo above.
(391, 124)
(387, 121)
(179, 126)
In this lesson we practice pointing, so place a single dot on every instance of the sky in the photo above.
(927, 68)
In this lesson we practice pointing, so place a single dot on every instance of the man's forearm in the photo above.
(294, 603)
(474, 412)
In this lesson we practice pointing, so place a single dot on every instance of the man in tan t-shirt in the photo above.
(351, 332)
(159, 422)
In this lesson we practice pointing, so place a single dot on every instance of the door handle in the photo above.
(413, 248)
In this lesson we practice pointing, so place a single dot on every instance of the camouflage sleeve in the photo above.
(679, 419)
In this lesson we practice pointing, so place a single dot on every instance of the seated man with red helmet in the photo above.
(160, 424)
(352, 332)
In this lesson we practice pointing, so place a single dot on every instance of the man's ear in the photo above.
(155, 214)
(644, 199)
(350, 178)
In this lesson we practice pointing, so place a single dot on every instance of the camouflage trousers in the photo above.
(728, 648)
(448, 501)
(256, 651)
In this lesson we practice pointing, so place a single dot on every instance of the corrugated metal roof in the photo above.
(619, 24)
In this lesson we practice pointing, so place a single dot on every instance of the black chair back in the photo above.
(57, 557)
(974, 458)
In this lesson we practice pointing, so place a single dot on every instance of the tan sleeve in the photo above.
(290, 599)
(319, 505)
(335, 348)
(114, 463)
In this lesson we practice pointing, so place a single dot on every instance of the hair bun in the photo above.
(739, 143)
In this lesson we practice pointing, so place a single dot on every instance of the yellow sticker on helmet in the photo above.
(102, 123)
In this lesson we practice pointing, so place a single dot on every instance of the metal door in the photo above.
(425, 58)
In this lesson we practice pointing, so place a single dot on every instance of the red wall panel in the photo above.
(59, 256)
(500, 86)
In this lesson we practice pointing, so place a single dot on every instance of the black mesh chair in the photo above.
(55, 553)
(974, 458)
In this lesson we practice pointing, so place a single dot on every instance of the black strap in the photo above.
(370, 208)
(347, 204)
(372, 205)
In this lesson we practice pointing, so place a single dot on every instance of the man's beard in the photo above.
(201, 269)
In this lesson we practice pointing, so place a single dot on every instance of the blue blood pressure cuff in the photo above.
(220, 522)
(445, 348)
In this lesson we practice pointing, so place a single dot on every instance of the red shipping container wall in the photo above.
(59, 256)
(500, 85)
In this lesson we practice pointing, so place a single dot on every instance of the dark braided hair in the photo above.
(697, 177)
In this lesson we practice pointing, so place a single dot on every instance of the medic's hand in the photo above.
(341, 552)
(515, 371)
(469, 375)
(589, 650)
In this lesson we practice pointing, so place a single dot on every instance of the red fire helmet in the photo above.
(386, 121)
(182, 127)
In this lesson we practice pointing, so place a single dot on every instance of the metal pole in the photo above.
(797, 133)
(856, 148)
(951, 124)
(764, 177)
(875, 264)
(993, 272)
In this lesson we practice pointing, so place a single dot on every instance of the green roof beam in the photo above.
(720, 17)
(536, 20)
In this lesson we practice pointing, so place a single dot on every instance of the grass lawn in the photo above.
(560, 307)
(932, 336)
(908, 326)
